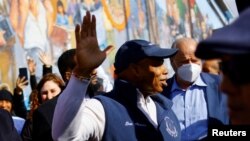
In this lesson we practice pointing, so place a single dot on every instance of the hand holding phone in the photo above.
(23, 72)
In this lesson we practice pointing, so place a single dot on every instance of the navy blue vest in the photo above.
(126, 122)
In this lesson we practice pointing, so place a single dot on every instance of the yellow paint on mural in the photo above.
(115, 13)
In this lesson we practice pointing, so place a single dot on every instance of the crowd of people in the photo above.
(142, 104)
(29, 123)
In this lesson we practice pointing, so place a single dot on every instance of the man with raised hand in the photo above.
(134, 110)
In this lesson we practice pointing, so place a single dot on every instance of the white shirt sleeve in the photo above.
(107, 83)
(76, 117)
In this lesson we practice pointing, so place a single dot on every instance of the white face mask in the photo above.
(189, 72)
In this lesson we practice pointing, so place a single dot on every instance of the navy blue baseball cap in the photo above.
(135, 50)
(233, 39)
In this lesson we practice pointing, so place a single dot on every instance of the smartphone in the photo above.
(23, 72)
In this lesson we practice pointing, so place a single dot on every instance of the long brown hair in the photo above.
(36, 98)
(49, 77)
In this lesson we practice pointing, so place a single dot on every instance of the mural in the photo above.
(29, 27)
(137, 21)
(7, 43)
(184, 18)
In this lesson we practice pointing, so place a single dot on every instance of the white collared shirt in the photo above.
(147, 106)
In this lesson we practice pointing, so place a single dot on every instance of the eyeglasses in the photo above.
(237, 70)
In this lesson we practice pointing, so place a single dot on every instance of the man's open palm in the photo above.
(88, 54)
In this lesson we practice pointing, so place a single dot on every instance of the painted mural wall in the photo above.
(28, 27)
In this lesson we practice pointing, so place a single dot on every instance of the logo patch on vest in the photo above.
(127, 123)
(170, 127)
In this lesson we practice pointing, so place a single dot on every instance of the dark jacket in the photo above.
(126, 122)
(216, 101)
(42, 121)
(26, 133)
(18, 105)
(39, 128)
(8, 131)
(44, 113)
(33, 82)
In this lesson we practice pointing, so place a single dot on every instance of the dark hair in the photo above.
(60, 3)
(66, 61)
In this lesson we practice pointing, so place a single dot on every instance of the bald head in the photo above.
(185, 45)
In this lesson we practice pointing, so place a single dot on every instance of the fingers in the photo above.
(25, 82)
(45, 58)
(17, 80)
(77, 33)
(21, 81)
(109, 49)
(84, 27)
(88, 27)
(93, 26)
(31, 65)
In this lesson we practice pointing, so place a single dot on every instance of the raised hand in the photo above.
(45, 59)
(88, 54)
(31, 66)
(21, 83)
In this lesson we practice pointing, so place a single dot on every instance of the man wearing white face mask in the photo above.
(198, 102)
(189, 72)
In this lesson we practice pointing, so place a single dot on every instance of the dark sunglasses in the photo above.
(237, 70)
